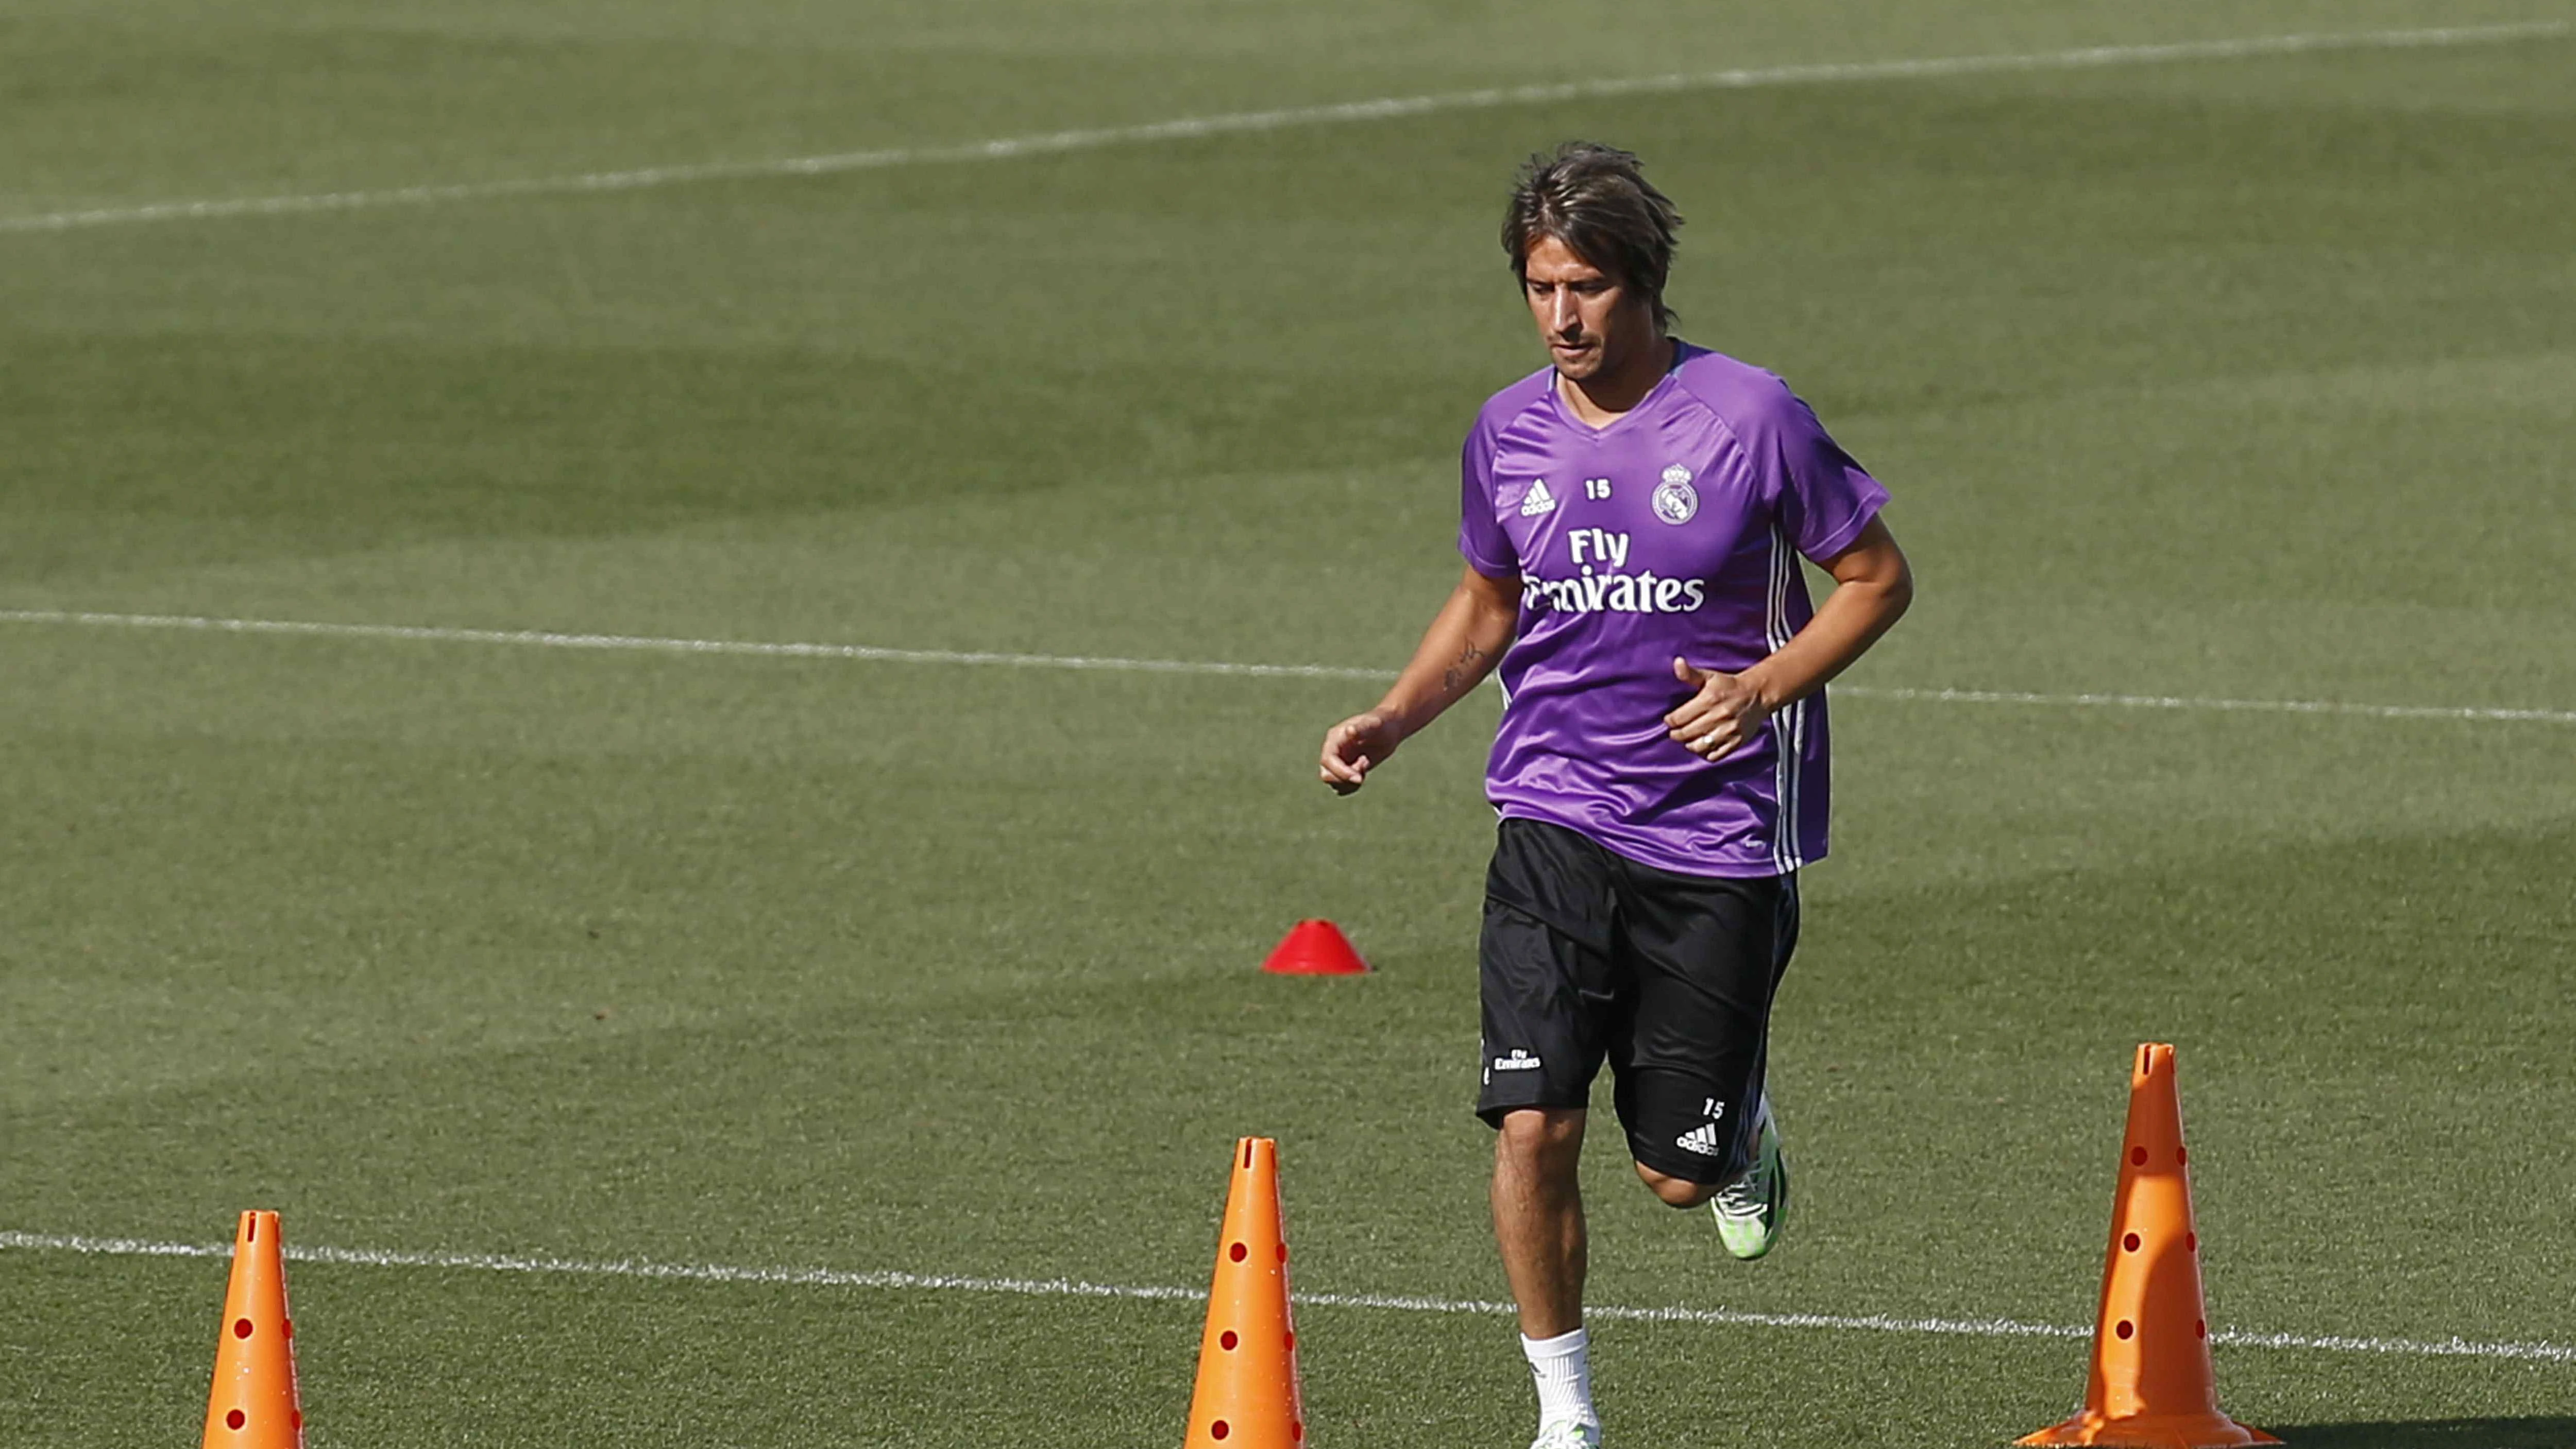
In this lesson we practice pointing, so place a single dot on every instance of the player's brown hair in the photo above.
(1596, 200)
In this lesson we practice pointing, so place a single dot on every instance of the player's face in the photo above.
(1591, 324)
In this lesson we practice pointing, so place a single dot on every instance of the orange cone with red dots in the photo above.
(254, 1404)
(2152, 1386)
(1247, 1394)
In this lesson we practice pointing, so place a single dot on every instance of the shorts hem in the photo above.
(1491, 1113)
(1687, 1166)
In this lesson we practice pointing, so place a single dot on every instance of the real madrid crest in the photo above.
(1675, 500)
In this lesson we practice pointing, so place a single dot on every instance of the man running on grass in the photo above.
(1632, 520)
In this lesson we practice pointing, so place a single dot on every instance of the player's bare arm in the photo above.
(1466, 639)
(1873, 585)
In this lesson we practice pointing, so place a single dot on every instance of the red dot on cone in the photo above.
(1238, 1252)
(2200, 1327)
(2126, 1329)
(235, 1419)
(1227, 1341)
(241, 1328)
(2137, 1157)
(1219, 1429)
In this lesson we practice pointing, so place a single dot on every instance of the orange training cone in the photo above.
(1315, 948)
(2151, 1385)
(1247, 1394)
(254, 1405)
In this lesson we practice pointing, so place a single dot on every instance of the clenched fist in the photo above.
(1356, 746)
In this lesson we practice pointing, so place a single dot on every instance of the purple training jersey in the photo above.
(1673, 531)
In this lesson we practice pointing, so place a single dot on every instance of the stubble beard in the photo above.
(1582, 368)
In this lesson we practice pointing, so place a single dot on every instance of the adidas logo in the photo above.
(1538, 500)
(1702, 1140)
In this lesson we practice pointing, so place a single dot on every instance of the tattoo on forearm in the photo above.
(1459, 673)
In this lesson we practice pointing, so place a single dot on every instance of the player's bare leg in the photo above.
(1678, 1192)
(1538, 1222)
(1750, 1208)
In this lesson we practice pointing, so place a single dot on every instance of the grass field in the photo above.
(2217, 377)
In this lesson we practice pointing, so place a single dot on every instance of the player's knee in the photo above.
(1542, 1134)
(1678, 1192)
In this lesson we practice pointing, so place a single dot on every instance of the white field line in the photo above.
(543, 639)
(2454, 1347)
(1239, 122)
(2249, 706)
(869, 653)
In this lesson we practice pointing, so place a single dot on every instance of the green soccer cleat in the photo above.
(1749, 1210)
(1568, 1434)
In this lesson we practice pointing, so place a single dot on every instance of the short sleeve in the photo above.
(1826, 499)
(1481, 539)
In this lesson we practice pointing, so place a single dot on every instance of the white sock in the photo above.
(1563, 1373)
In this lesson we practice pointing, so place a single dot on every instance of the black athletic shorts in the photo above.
(1588, 956)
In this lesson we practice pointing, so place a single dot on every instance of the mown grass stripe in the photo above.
(1239, 122)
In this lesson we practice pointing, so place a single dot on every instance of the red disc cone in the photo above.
(1315, 948)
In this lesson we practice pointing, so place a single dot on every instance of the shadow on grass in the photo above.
(2533, 1433)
